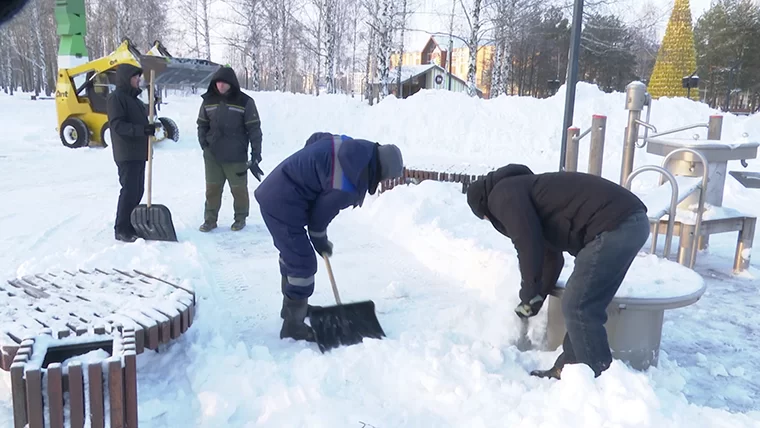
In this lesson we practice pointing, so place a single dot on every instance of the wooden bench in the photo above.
(49, 318)
(76, 302)
(39, 380)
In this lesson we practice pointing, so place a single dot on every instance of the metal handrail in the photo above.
(673, 131)
(580, 136)
(673, 205)
(702, 195)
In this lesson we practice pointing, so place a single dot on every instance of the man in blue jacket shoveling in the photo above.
(304, 193)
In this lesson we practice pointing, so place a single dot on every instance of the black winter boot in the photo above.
(282, 311)
(294, 312)
(553, 373)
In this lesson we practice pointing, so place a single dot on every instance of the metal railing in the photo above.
(673, 206)
(674, 202)
(596, 149)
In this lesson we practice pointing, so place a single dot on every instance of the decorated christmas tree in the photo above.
(677, 57)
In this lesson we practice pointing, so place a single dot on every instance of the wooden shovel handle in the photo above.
(150, 138)
(332, 278)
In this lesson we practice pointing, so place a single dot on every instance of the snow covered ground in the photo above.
(444, 282)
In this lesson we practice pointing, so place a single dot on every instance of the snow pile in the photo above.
(444, 283)
(439, 228)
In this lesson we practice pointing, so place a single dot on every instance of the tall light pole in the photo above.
(572, 76)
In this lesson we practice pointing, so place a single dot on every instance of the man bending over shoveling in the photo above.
(599, 222)
(304, 193)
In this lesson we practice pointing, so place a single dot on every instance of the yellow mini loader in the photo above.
(82, 115)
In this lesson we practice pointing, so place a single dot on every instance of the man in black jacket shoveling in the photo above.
(599, 222)
(227, 122)
(130, 129)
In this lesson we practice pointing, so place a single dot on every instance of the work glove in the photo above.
(322, 245)
(150, 129)
(255, 170)
(527, 310)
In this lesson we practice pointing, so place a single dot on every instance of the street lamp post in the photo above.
(572, 76)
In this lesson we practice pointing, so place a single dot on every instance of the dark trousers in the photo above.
(600, 268)
(132, 180)
(298, 262)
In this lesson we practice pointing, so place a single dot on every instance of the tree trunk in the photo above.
(473, 47)
(369, 80)
(330, 30)
(206, 29)
(383, 53)
(400, 92)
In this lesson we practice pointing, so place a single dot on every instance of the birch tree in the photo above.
(401, 48)
(331, 35)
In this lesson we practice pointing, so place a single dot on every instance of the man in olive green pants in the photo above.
(236, 173)
(227, 122)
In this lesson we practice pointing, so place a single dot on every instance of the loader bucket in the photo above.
(179, 71)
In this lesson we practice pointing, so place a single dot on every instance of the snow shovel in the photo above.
(343, 324)
(523, 342)
(152, 222)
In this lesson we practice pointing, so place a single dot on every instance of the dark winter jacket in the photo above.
(546, 213)
(330, 173)
(127, 118)
(228, 123)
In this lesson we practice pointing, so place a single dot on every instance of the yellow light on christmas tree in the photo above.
(677, 57)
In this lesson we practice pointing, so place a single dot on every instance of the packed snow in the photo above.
(444, 282)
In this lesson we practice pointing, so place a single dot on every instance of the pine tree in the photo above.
(677, 57)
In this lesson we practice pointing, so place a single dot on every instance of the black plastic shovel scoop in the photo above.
(152, 222)
(344, 324)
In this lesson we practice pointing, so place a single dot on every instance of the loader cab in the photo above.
(98, 88)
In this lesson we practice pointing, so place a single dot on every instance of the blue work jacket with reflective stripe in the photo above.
(309, 188)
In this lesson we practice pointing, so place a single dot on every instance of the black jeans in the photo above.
(132, 180)
(600, 268)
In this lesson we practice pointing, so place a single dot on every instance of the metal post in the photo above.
(596, 152)
(571, 157)
(714, 127)
(744, 245)
(728, 89)
(572, 75)
(636, 97)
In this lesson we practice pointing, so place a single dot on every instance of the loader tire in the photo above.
(171, 130)
(74, 133)
(105, 135)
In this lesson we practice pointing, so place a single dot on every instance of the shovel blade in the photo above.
(523, 342)
(179, 71)
(748, 179)
(346, 324)
(153, 223)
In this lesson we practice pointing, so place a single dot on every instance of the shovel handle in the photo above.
(150, 138)
(332, 278)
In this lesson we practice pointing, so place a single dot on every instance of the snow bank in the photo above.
(443, 282)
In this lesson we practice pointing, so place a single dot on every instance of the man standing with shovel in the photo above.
(304, 193)
(130, 129)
